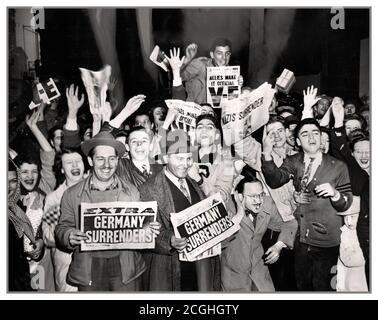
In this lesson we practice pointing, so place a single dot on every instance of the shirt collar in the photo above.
(140, 165)
(318, 158)
(171, 177)
(113, 186)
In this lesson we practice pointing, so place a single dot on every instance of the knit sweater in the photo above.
(319, 224)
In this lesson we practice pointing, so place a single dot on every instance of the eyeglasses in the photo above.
(256, 196)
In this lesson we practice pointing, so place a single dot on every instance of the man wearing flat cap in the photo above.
(174, 191)
(113, 270)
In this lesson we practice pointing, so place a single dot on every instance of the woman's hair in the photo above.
(357, 117)
(28, 157)
(58, 165)
(357, 136)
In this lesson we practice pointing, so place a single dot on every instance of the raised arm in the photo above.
(131, 106)
(178, 90)
(31, 121)
(48, 180)
(309, 100)
(74, 104)
(190, 53)
(275, 177)
(71, 129)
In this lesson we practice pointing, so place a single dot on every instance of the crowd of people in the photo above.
(298, 188)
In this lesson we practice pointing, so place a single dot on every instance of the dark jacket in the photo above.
(18, 267)
(319, 224)
(128, 171)
(165, 265)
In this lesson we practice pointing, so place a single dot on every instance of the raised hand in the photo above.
(240, 81)
(73, 101)
(268, 144)
(337, 107)
(171, 116)
(239, 206)
(193, 172)
(309, 97)
(31, 120)
(190, 52)
(131, 106)
(134, 103)
(174, 59)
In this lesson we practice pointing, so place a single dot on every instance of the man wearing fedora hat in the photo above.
(118, 270)
(174, 191)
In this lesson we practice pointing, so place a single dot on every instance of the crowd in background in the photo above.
(298, 188)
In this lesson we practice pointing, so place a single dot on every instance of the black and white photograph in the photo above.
(216, 150)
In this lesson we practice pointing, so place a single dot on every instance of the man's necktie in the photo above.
(184, 190)
(145, 171)
(254, 215)
(306, 176)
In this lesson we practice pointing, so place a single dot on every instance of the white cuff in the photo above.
(177, 82)
(71, 124)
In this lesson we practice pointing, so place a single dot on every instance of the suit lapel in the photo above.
(261, 220)
(196, 187)
(248, 222)
(163, 193)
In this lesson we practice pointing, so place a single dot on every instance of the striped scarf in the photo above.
(18, 217)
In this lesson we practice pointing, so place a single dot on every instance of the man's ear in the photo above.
(298, 142)
(90, 161)
(165, 158)
(127, 147)
(212, 54)
(241, 198)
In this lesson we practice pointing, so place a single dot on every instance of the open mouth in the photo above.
(364, 161)
(29, 182)
(204, 136)
(75, 172)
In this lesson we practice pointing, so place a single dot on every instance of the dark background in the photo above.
(313, 46)
(329, 58)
